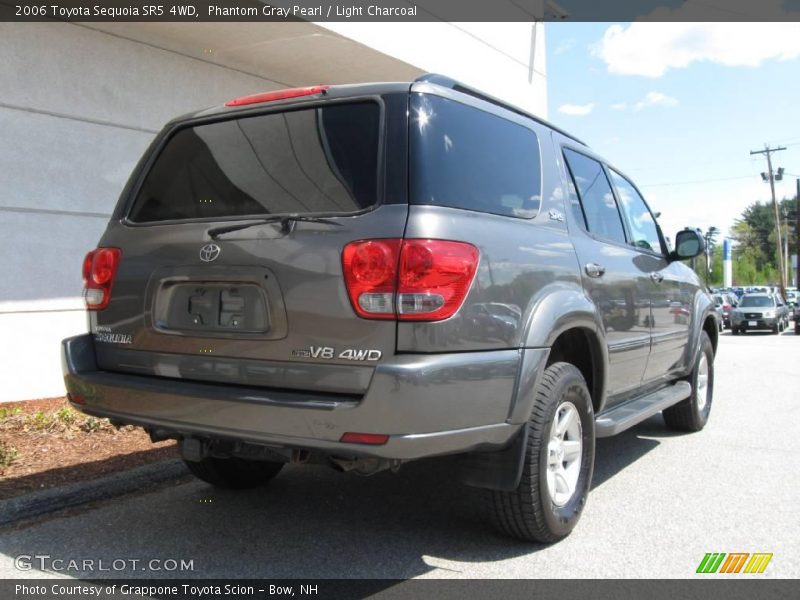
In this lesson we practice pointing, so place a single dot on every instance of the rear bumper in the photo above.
(428, 404)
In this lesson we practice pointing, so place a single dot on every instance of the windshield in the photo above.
(319, 160)
(757, 301)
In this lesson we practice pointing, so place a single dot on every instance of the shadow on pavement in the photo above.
(614, 454)
(310, 522)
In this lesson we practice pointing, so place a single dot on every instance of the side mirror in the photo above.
(688, 244)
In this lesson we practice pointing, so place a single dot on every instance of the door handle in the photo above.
(594, 270)
(657, 277)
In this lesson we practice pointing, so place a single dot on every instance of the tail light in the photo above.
(409, 280)
(99, 269)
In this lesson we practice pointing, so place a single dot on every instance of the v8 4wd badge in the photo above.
(329, 353)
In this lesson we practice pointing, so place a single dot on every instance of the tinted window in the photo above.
(467, 158)
(596, 197)
(313, 160)
(640, 220)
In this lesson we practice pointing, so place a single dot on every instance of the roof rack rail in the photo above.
(457, 86)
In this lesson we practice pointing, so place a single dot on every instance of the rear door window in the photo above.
(319, 160)
(464, 157)
(596, 198)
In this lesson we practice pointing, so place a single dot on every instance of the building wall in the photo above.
(77, 109)
(79, 104)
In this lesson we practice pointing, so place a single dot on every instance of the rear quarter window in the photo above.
(464, 157)
(317, 160)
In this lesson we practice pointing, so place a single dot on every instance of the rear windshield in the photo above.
(304, 161)
(467, 158)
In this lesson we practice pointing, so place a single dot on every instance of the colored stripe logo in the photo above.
(734, 563)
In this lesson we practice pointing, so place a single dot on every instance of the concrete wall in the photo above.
(79, 104)
(77, 109)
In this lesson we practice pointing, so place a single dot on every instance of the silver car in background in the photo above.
(759, 311)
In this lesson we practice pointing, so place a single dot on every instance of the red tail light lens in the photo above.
(411, 280)
(435, 277)
(279, 95)
(370, 273)
(99, 268)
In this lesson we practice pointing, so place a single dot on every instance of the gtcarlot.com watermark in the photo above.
(46, 562)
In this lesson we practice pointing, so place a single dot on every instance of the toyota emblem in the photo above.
(209, 252)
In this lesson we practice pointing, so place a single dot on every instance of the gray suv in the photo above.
(760, 311)
(360, 276)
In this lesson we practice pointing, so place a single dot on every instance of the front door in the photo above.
(671, 297)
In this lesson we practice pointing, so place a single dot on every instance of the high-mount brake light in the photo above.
(410, 279)
(279, 95)
(99, 269)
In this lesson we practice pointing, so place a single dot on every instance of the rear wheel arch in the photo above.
(583, 348)
(574, 334)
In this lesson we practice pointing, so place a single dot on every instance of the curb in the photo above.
(41, 502)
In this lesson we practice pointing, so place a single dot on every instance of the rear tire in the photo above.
(692, 414)
(234, 473)
(552, 493)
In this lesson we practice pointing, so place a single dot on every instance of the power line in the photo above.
(671, 183)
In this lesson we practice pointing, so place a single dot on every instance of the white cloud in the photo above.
(651, 49)
(655, 99)
(619, 106)
(576, 110)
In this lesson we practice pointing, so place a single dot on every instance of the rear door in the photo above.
(264, 305)
(613, 274)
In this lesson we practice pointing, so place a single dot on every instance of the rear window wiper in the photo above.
(287, 224)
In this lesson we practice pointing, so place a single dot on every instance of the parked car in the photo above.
(718, 304)
(729, 302)
(791, 300)
(796, 319)
(759, 311)
(292, 278)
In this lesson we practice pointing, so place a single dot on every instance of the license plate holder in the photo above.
(213, 307)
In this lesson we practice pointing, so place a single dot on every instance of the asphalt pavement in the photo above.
(660, 502)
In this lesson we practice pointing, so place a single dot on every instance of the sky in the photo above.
(679, 106)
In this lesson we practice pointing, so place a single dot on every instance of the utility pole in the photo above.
(786, 260)
(768, 151)
(797, 229)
